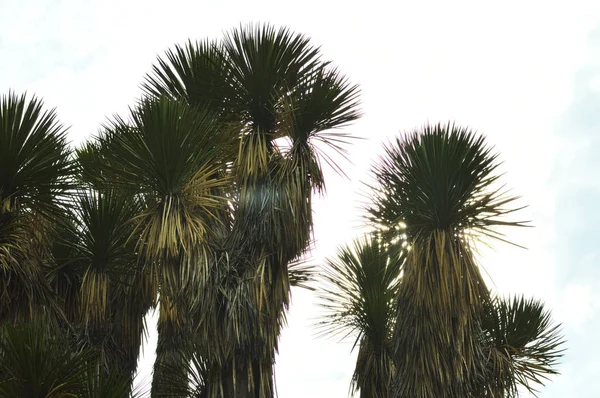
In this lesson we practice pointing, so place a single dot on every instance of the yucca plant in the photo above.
(35, 179)
(522, 347)
(170, 158)
(98, 273)
(35, 362)
(270, 85)
(110, 384)
(437, 189)
(359, 297)
(38, 363)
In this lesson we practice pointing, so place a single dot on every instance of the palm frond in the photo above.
(35, 363)
(34, 157)
(111, 384)
(311, 113)
(523, 346)
(440, 177)
(197, 73)
(91, 163)
(265, 62)
(359, 292)
(324, 100)
(301, 274)
(171, 154)
(359, 296)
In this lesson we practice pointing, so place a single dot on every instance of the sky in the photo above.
(524, 73)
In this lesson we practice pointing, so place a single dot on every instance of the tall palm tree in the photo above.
(359, 297)
(269, 85)
(171, 158)
(438, 188)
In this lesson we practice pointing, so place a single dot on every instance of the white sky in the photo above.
(525, 73)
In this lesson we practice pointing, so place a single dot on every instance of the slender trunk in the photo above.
(172, 350)
(169, 368)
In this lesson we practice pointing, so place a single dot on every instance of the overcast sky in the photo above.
(525, 73)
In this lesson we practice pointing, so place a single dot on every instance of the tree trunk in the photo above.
(239, 387)
(236, 384)
(172, 355)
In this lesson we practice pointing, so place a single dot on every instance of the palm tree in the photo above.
(170, 158)
(98, 273)
(35, 180)
(192, 196)
(359, 297)
(437, 192)
(94, 257)
(268, 85)
(521, 345)
(37, 363)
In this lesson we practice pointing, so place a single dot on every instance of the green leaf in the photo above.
(35, 162)
(359, 297)
(523, 345)
(440, 177)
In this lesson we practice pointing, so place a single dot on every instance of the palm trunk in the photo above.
(435, 333)
(172, 350)
(236, 383)
(235, 380)
(169, 367)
